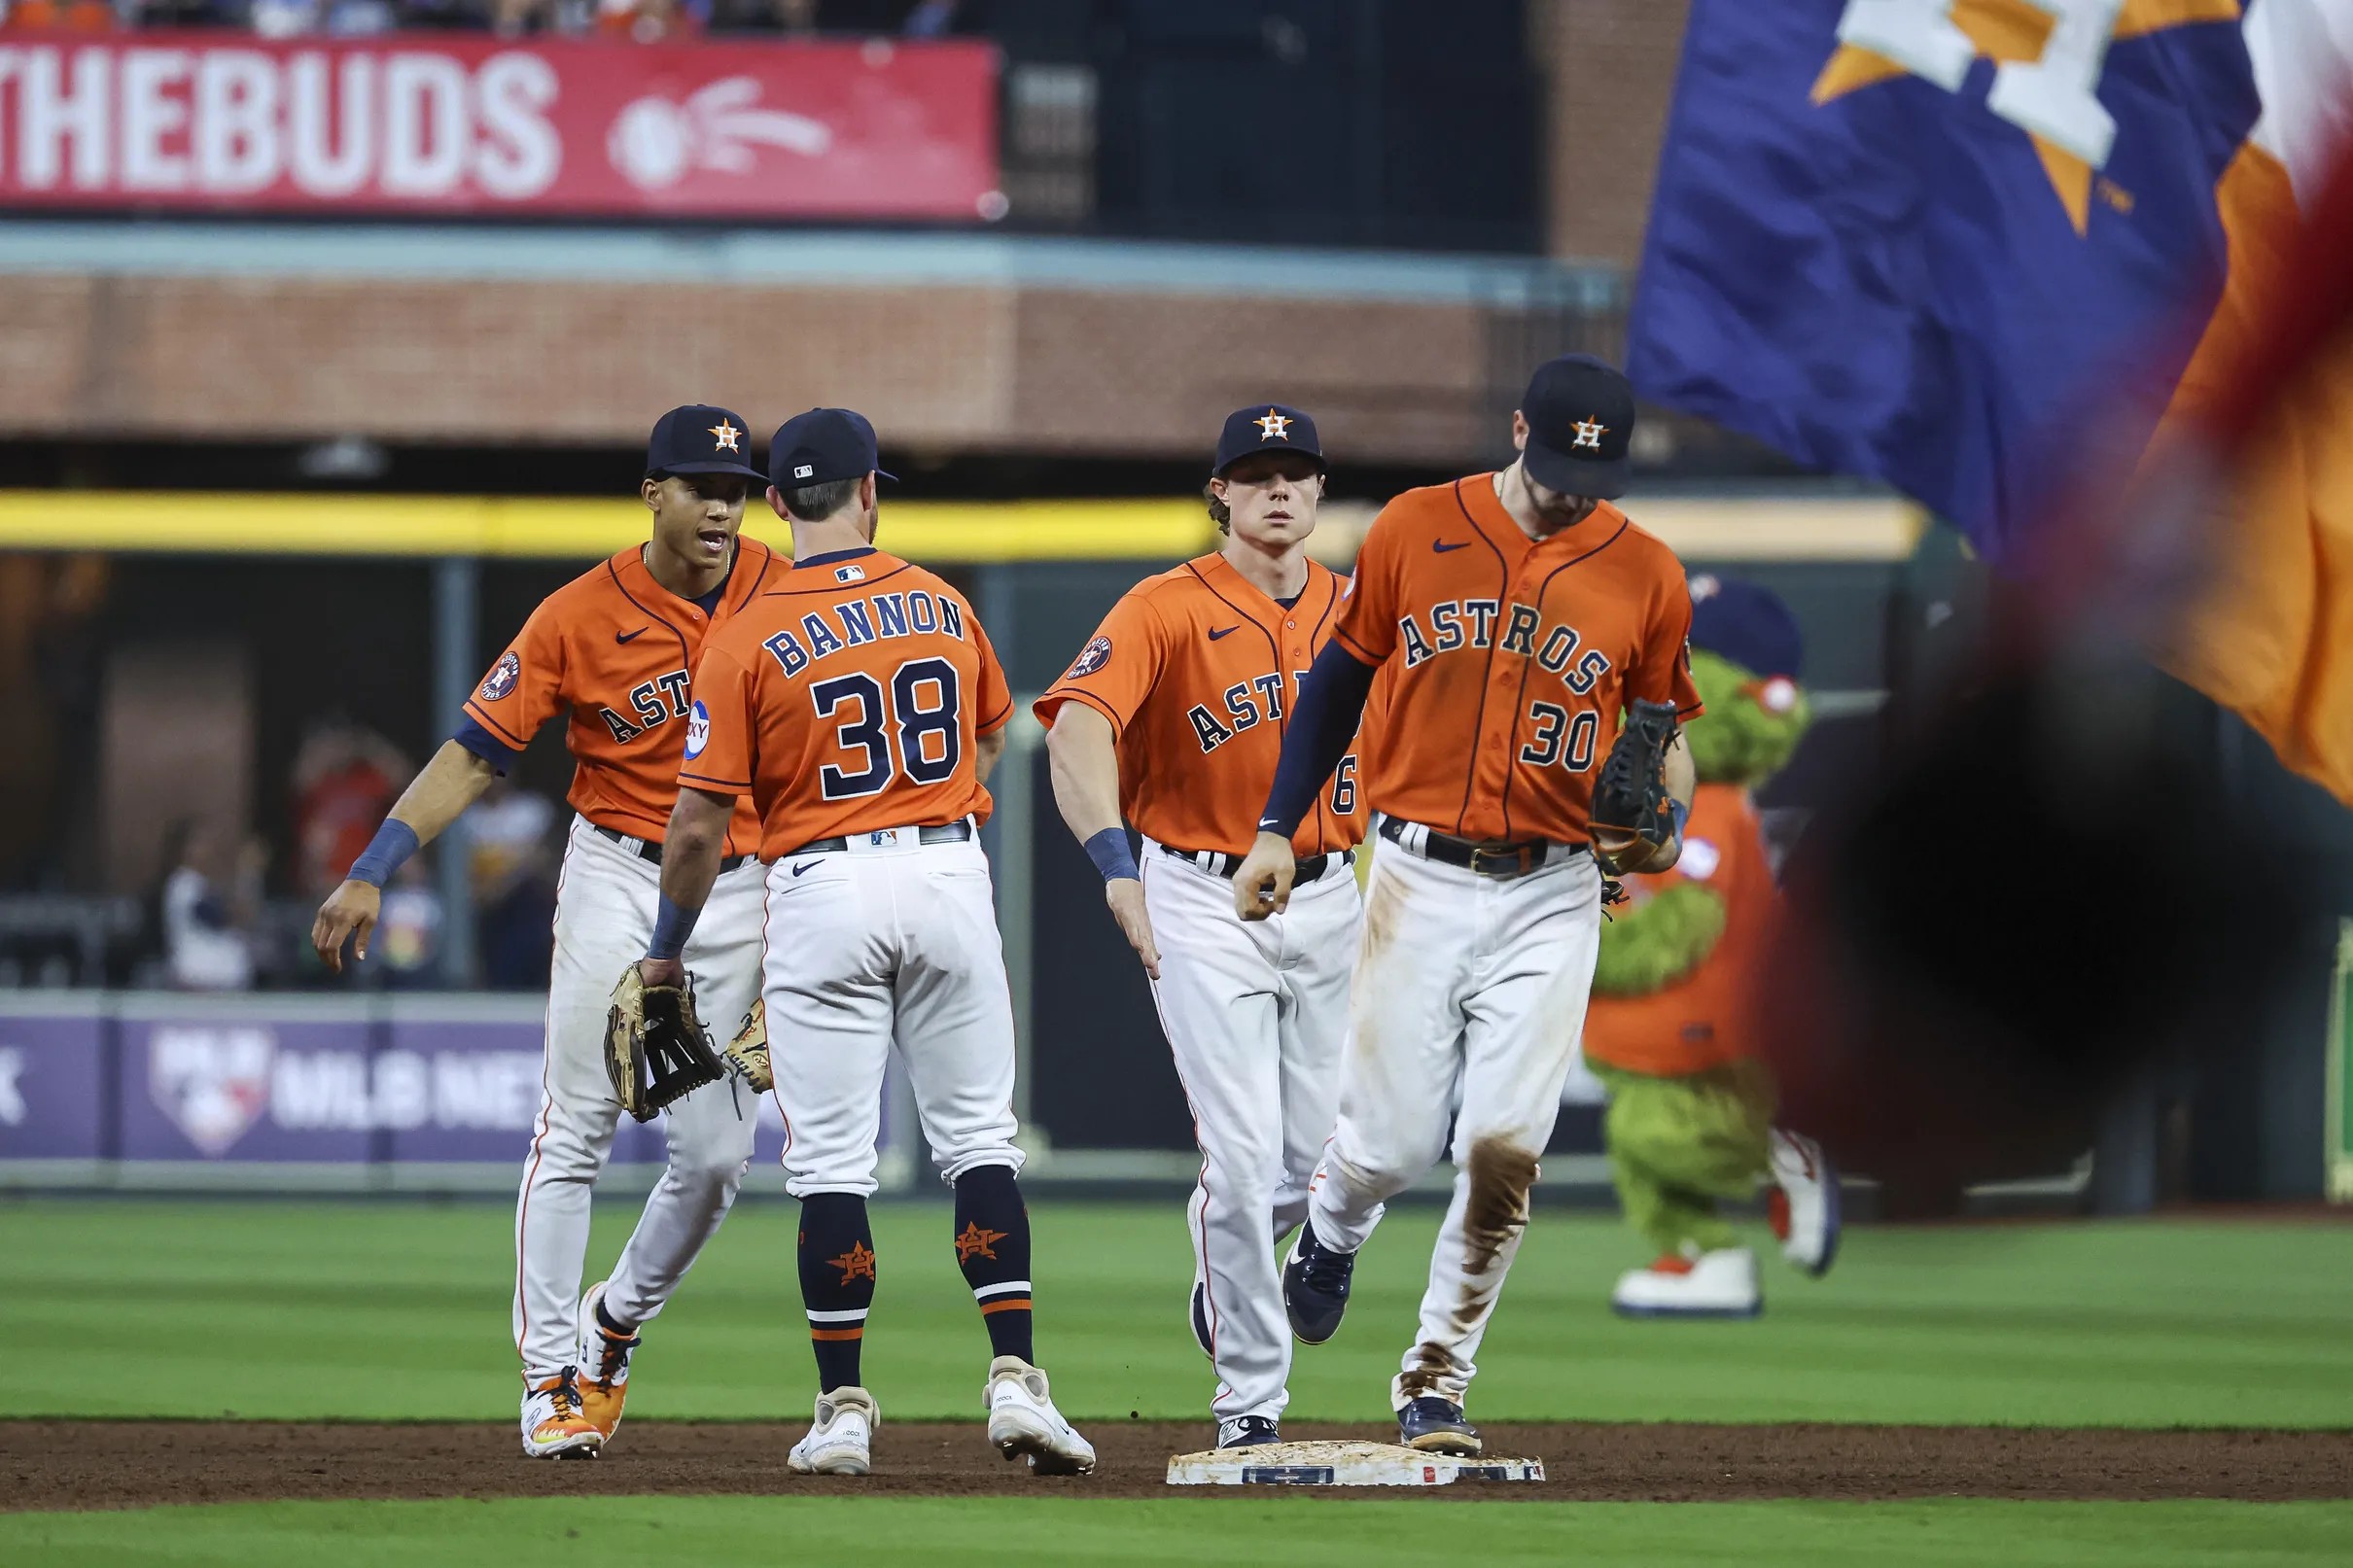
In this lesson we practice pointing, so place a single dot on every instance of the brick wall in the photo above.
(1610, 69)
(948, 369)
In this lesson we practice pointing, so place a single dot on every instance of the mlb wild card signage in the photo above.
(439, 123)
(175, 1082)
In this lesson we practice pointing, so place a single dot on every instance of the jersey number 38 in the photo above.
(913, 731)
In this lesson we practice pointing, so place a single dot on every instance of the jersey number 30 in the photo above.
(922, 707)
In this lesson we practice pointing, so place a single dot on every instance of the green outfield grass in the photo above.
(363, 1311)
(719, 1532)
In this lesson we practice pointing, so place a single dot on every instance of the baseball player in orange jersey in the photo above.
(1510, 618)
(1172, 716)
(615, 646)
(857, 703)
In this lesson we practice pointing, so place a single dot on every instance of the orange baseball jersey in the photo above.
(1507, 662)
(846, 699)
(620, 650)
(1704, 1019)
(1197, 671)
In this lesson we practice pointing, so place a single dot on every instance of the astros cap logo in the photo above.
(724, 434)
(1589, 433)
(1273, 427)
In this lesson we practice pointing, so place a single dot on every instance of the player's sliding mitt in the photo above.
(1633, 816)
(747, 1055)
(656, 1049)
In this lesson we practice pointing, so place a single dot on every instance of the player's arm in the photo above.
(451, 781)
(1330, 709)
(1082, 756)
(691, 851)
(992, 705)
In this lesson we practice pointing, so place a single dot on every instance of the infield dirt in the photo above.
(68, 1465)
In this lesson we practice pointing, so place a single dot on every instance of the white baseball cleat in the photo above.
(1023, 1419)
(554, 1426)
(841, 1441)
(1692, 1283)
(1804, 1204)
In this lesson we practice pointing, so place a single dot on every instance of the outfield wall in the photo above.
(430, 1092)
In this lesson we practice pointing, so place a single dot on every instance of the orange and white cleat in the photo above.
(554, 1425)
(604, 1365)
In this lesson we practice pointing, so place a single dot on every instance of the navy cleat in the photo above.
(1248, 1432)
(1315, 1287)
(1435, 1425)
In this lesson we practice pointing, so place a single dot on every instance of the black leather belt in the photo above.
(650, 851)
(945, 833)
(1226, 865)
(1481, 860)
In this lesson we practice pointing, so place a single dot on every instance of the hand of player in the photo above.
(1125, 895)
(1263, 885)
(349, 913)
(662, 971)
(1625, 852)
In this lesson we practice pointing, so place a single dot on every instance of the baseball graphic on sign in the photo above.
(655, 143)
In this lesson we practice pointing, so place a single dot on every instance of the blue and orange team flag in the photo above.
(1977, 247)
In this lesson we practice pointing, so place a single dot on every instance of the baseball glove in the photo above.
(747, 1055)
(656, 1049)
(1633, 814)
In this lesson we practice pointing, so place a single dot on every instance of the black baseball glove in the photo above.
(656, 1049)
(1633, 816)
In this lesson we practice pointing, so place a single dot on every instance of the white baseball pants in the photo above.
(1255, 1012)
(890, 942)
(604, 918)
(1467, 987)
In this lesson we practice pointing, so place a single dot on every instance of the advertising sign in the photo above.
(437, 124)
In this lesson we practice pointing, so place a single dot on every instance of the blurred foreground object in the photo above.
(1979, 253)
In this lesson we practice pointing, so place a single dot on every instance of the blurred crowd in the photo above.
(645, 21)
(207, 924)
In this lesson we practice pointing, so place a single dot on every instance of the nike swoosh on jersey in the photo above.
(1226, 632)
(805, 865)
(1439, 546)
(628, 636)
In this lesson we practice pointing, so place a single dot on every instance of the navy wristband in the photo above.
(671, 925)
(394, 842)
(1110, 851)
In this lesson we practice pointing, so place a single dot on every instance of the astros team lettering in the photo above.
(853, 622)
(1244, 709)
(1449, 632)
(656, 702)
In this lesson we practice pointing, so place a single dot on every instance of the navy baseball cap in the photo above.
(701, 438)
(821, 446)
(1266, 428)
(1580, 413)
(1747, 623)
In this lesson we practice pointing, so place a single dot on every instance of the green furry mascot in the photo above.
(1690, 1120)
